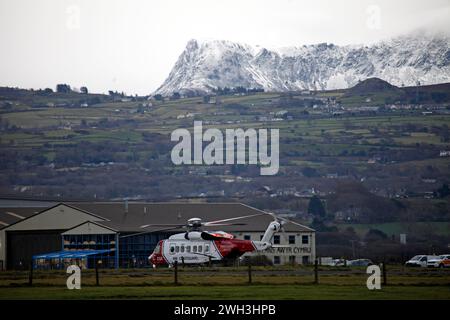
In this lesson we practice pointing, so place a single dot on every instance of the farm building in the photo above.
(53, 235)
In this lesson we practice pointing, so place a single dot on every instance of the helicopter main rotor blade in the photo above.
(280, 219)
(162, 225)
(146, 232)
(212, 223)
(225, 224)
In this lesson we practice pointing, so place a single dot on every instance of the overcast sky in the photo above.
(131, 45)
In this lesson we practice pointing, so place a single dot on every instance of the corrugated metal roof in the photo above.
(140, 213)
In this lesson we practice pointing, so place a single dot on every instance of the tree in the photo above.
(310, 172)
(158, 97)
(375, 234)
(318, 225)
(316, 207)
(443, 191)
(176, 96)
(63, 88)
(84, 90)
(206, 99)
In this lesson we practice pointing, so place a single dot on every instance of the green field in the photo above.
(395, 228)
(289, 292)
(287, 282)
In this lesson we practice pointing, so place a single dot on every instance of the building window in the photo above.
(292, 259)
(305, 239)
(276, 260)
(291, 239)
(276, 239)
(305, 260)
(247, 237)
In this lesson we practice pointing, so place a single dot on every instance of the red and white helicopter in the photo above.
(199, 247)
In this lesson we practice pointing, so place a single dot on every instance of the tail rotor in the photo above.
(282, 221)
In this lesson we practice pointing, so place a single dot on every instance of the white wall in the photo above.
(298, 249)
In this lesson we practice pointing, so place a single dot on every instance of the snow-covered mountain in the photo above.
(405, 60)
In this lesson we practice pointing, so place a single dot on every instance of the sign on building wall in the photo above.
(289, 250)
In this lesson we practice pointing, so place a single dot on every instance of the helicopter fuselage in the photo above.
(184, 251)
(197, 247)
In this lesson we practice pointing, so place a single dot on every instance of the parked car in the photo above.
(445, 263)
(439, 262)
(337, 262)
(419, 261)
(359, 263)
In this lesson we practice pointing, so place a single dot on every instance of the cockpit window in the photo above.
(157, 248)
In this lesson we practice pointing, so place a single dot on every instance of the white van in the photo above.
(420, 261)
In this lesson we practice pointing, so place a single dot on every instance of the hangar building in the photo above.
(52, 235)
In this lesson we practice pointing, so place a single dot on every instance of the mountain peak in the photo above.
(208, 64)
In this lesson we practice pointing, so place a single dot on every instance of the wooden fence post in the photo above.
(97, 280)
(30, 275)
(316, 272)
(176, 272)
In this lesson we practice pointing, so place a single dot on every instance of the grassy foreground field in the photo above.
(273, 292)
(230, 283)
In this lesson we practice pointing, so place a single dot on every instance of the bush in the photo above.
(260, 260)
(375, 234)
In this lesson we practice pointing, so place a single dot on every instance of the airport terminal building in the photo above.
(54, 235)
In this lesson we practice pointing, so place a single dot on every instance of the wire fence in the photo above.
(243, 275)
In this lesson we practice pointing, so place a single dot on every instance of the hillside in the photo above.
(47, 98)
(65, 150)
(373, 86)
(375, 91)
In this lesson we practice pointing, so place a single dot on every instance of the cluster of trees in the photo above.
(226, 90)
(65, 88)
(442, 192)
(219, 91)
